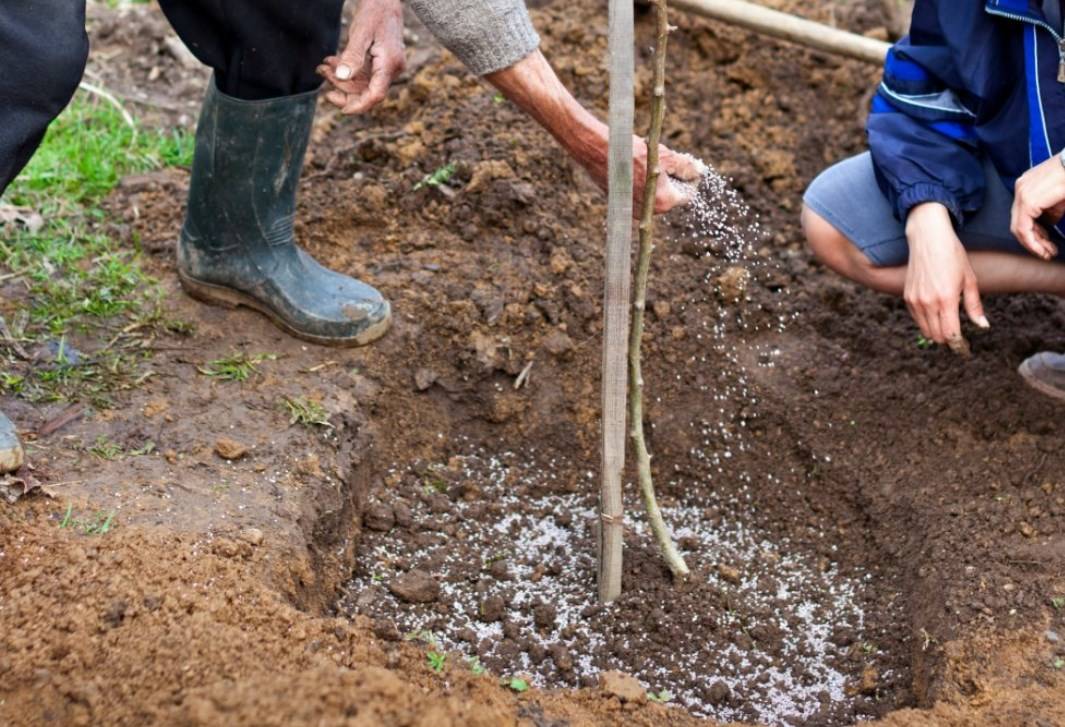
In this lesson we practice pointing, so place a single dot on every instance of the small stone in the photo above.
(424, 378)
(557, 343)
(498, 570)
(252, 535)
(624, 687)
(493, 609)
(661, 309)
(868, 684)
(843, 637)
(386, 629)
(225, 548)
(415, 587)
(1052, 636)
(115, 613)
(729, 574)
(544, 615)
(1026, 530)
(230, 449)
(732, 283)
(379, 517)
(560, 655)
(719, 693)
(403, 514)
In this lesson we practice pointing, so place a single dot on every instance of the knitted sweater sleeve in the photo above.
(486, 35)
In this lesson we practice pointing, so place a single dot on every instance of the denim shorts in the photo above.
(849, 199)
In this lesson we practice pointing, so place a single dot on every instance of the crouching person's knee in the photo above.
(826, 242)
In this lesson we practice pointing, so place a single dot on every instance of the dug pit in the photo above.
(490, 557)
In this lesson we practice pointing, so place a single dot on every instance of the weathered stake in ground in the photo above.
(616, 303)
(616, 296)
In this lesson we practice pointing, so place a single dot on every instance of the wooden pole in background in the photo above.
(616, 297)
(788, 27)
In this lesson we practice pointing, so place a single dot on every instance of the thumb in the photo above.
(352, 58)
(974, 308)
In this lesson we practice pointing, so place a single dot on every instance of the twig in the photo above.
(643, 458)
(56, 423)
(523, 377)
(110, 98)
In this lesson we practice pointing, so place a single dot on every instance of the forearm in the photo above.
(531, 84)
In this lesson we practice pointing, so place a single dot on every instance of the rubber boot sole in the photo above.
(1030, 378)
(229, 298)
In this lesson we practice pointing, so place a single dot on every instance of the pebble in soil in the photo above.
(493, 557)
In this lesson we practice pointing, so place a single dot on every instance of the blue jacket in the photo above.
(970, 80)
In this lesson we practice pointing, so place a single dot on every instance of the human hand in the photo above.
(363, 72)
(939, 277)
(1039, 192)
(672, 166)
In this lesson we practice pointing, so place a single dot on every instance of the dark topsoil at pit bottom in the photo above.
(946, 476)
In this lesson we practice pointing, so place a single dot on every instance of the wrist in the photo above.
(927, 213)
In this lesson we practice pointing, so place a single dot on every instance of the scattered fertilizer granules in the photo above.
(493, 558)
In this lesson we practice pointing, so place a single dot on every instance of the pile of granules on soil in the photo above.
(492, 558)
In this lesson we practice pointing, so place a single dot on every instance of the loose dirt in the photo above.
(803, 442)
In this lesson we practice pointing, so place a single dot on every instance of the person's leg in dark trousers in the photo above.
(237, 245)
(43, 48)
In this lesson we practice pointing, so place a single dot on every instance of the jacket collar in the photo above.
(1028, 10)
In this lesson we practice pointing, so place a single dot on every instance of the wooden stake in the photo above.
(788, 27)
(643, 458)
(616, 296)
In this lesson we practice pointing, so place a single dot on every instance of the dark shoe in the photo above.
(237, 246)
(11, 456)
(1045, 372)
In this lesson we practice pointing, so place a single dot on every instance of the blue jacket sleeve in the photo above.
(920, 131)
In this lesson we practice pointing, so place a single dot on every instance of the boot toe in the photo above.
(1045, 372)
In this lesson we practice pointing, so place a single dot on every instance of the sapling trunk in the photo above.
(643, 457)
(616, 297)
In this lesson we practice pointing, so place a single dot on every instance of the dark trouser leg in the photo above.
(43, 48)
(259, 49)
(237, 245)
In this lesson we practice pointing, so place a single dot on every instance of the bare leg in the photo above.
(996, 272)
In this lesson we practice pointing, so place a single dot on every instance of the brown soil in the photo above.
(935, 480)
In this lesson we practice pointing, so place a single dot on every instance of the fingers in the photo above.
(374, 94)
(917, 313)
(1044, 239)
(354, 56)
(974, 308)
(684, 167)
(669, 195)
(1024, 227)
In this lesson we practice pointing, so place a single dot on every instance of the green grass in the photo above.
(99, 523)
(437, 661)
(306, 412)
(77, 277)
(516, 684)
(238, 366)
(437, 178)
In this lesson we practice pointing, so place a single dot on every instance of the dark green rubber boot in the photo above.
(237, 245)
